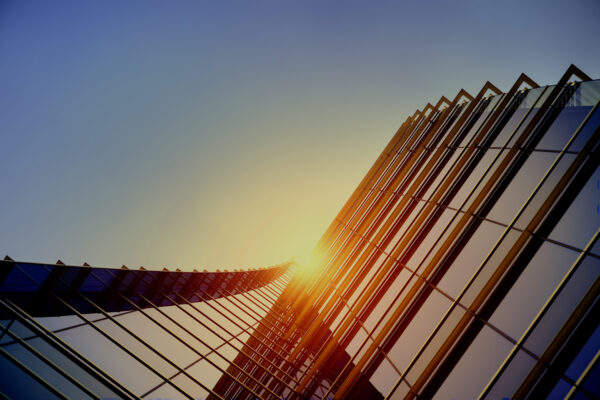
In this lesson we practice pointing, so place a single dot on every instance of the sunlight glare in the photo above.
(309, 265)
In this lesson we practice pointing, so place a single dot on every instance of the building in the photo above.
(465, 264)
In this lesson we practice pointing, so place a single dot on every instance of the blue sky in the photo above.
(229, 134)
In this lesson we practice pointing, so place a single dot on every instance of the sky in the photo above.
(199, 134)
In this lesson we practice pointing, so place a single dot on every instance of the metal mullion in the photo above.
(267, 329)
(377, 205)
(276, 286)
(139, 339)
(281, 306)
(195, 337)
(377, 173)
(66, 328)
(4, 331)
(382, 253)
(536, 222)
(246, 330)
(337, 250)
(443, 293)
(474, 214)
(298, 365)
(196, 361)
(266, 375)
(504, 225)
(430, 164)
(565, 346)
(499, 114)
(172, 334)
(412, 158)
(373, 171)
(549, 302)
(320, 386)
(383, 230)
(578, 387)
(32, 374)
(200, 322)
(284, 281)
(344, 335)
(272, 322)
(375, 252)
(258, 321)
(374, 256)
(268, 293)
(229, 296)
(259, 292)
(131, 353)
(473, 191)
(259, 301)
(389, 235)
(465, 158)
(393, 176)
(65, 349)
(377, 223)
(268, 316)
(214, 322)
(48, 362)
(245, 294)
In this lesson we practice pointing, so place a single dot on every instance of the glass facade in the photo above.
(464, 265)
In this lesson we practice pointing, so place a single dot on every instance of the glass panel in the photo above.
(395, 288)
(384, 377)
(367, 278)
(576, 109)
(587, 353)
(563, 306)
(109, 357)
(405, 226)
(494, 100)
(429, 240)
(560, 390)
(440, 336)
(400, 392)
(512, 376)
(24, 278)
(582, 218)
(509, 128)
(471, 257)
(16, 384)
(489, 268)
(586, 132)
(528, 119)
(520, 187)
(442, 175)
(41, 368)
(590, 384)
(535, 284)
(422, 324)
(356, 343)
(474, 177)
(60, 360)
(557, 136)
(550, 183)
(473, 370)
(468, 139)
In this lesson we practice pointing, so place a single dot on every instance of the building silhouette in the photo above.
(464, 265)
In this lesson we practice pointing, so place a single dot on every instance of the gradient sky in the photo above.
(229, 134)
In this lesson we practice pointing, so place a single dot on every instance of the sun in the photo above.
(309, 266)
